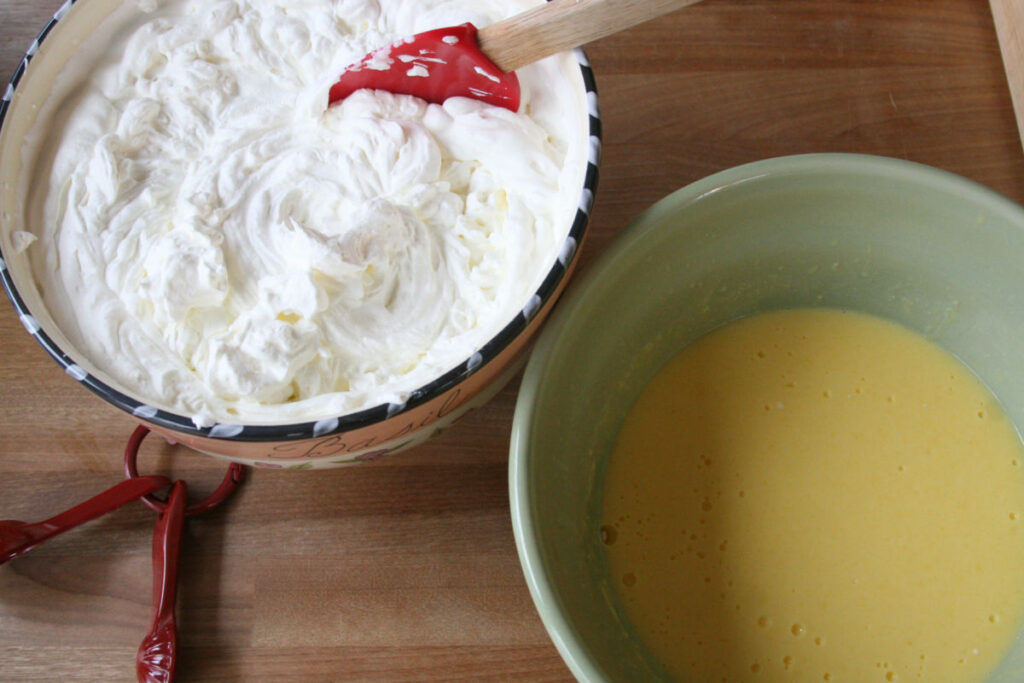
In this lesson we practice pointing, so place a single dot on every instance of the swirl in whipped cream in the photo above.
(223, 245)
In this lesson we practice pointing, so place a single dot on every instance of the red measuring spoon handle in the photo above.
(158, 653)
(17, 538)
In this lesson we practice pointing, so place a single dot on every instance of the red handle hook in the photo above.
(232, 478)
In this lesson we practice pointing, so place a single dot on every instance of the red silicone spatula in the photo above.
(464, 61)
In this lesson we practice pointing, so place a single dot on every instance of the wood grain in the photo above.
(404, 569)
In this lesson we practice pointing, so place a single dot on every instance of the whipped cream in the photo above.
(220, 243)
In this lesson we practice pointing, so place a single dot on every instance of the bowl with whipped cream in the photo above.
(196, 237)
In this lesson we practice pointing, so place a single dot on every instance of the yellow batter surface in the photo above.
(818, 495)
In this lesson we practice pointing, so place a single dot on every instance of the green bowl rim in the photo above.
(566, 639)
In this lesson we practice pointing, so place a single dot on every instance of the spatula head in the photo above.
(433, 65)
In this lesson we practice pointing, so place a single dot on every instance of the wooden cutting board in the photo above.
(405, 569)
(1008, 16)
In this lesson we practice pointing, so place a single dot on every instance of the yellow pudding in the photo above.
(817, 495)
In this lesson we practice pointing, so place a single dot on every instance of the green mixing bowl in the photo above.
(930, 250)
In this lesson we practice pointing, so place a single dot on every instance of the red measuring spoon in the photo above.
(157, 657)
(17, 538)
(464, 61)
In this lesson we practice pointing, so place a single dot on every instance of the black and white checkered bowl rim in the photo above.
(352, 421)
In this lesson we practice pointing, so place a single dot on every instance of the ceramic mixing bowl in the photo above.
(927, 249)
(26, 108)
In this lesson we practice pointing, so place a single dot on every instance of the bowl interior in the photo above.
(42, 93)
(924, 248)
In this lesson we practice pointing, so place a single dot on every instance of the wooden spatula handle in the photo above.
(563, 24)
